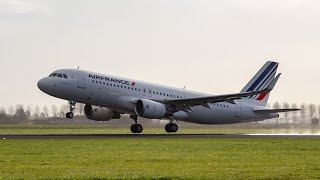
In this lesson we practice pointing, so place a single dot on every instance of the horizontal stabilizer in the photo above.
(267, 111)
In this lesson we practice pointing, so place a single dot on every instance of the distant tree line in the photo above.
(308, 114)
(32, 112)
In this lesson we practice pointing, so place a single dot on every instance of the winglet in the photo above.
(273, 83)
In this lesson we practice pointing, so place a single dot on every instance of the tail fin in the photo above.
(260, 81)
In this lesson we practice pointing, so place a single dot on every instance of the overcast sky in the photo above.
(210, 46)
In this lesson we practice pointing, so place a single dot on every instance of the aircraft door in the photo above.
(81, 80)
(238, 110)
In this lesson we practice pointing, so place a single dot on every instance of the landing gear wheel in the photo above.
(136, 128)
(72, 105)
(133, 128)
(70, 115)
(167, 128)
(171, 128)
(139, 128)
(174, 128)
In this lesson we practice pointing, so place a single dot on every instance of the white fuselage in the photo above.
(120, 94)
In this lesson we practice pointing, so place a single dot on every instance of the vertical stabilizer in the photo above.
(259, 82)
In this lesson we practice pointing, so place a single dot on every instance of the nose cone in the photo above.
(43, 85)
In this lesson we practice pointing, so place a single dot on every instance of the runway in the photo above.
(141, 136)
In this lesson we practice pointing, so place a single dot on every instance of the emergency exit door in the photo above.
(81, 80)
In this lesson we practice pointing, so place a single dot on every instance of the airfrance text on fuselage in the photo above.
(109, 79)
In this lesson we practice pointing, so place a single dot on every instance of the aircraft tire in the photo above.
(168, 128)
(174, 128)
(171, 128)
(139, 128)
(136, 128)
(69, 115)
(133, 128)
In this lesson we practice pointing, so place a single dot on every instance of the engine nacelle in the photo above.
(100, 113)
(150, 109)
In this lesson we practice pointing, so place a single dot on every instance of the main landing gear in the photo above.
(136, 128)
(72, 105)
(171, 128)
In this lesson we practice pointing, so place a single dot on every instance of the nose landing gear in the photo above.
(72, 105)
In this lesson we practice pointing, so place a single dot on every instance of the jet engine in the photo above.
(150, 109)
(100, 113)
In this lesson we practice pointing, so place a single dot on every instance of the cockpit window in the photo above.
(59, 75)
(53, 75)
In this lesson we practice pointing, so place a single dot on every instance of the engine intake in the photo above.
(100, 113)
(150, 109)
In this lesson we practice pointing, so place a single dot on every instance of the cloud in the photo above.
(25, 6)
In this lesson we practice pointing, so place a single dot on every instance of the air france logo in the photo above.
(112, 80)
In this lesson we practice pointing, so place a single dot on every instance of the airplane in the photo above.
(108, 97)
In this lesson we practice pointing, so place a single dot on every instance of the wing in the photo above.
(187, 104)
(268, 111)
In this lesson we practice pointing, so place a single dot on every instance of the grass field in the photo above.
(67, 129)
(160, 159)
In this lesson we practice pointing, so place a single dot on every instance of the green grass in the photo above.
(160, 159)
(66, 129)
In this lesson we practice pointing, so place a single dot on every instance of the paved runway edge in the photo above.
(139, 136)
